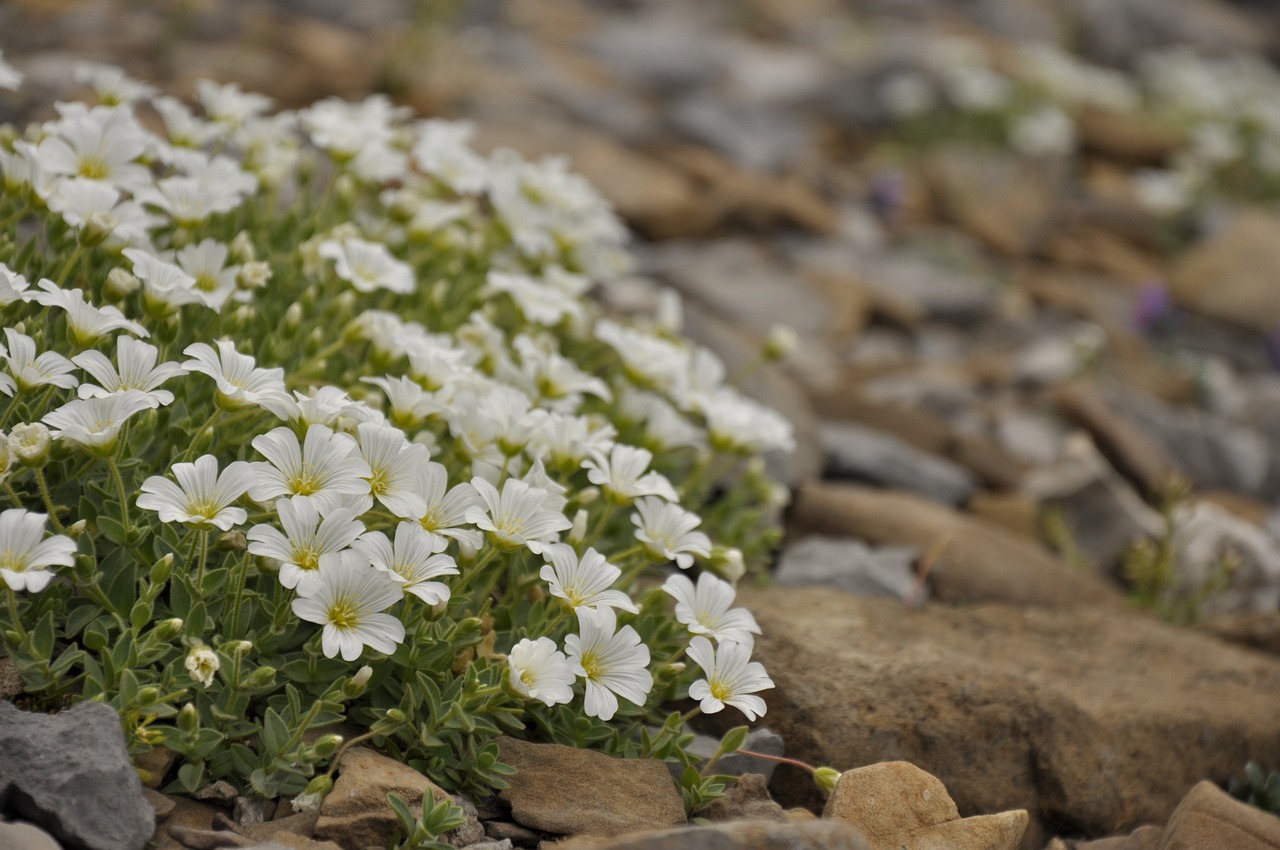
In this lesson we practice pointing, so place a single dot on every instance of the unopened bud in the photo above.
(261, 678)
(578, 532)
(326, 745)
(188, 719)
(30, 443)
(780, 343)
(313, 795)
(76, 530)
(162, 569)
(293, 315)
(254, 275)
(241, 248)
(168, 629)
(232, 541)
(97, 227)
(239, 647)
(148, 695)
(356, 685)
(120, 284)
(395, 715)
(728, 562)
(826, 778)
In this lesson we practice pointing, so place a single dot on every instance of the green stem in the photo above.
(124, 498)
(48, 499)
(13, 494)
(13, 611)
(195, 437)
(8, 411)
(204, 560)
(241, 577)
(66, 270)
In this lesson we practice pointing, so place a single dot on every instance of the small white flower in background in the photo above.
(330, 406)
(516, 517)
(96, 208)
(165, 287)
(215, 281)
(307, 542)
(393, 464)
(907, 94)
(732, 678)
(202, 497)
(325, 467)
(667, 532)
(611, 662)
(13, 286)
(111, 84)
(10, 77)
(781, 342)
(86, 323)
(585, 582)
(185, 129)
(30, 370)
(621, 475)
(736, 423)
(1164, 192)
(705, 609)
(201, 664)
(348, 600)
(101, 143)
(368, 266)
(227, 104)
(441, 151)
(239, 380)
(537, 670)
(137, 371)
(446, 512)
(95, 423)
(24, 556)
(29, 444)
(540, 303)
(413, 560)
(650, 360)
(1045, 131)
(410, 403)
(567, 440)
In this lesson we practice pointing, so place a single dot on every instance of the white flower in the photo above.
(307, 541)
(227, 104)
(611, 663)
(165, 287)
(86, 323)
(30, 370)
(393, 468)
(1046, 131)
(28, 443)
(10, 77)
(94, 423)
(202, 497)
(537, 670)
(13, 286)
(566, 440)
(323, 469)
(732, 678)
(583, 583)
(621, 474)
(111, 84)
(215, 281)
(96, 207)
(739, 424)
(410, 403)
(239, 380)
(446, 509)
(368, 266)
(99, 143)
(649, 360)
(441, 151)
(201, 664)
(705, 609)
(185, 129)
(667, 531)
(326, 405)
(541, 304)
(516, 517)
(413, 560)
(347, 600)
(24, 556)
(138, 371)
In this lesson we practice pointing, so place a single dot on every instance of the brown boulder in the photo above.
(889, 799)
(567, 791)
(1208, 819)
(1094, 720)
(1231, 275)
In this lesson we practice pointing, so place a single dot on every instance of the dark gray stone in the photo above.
(869, 455)
(70, 774)
(852, 566)
(762, 740)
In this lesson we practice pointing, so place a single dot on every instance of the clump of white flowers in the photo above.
(310, 419)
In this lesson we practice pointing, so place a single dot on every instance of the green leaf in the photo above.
(191, 777)
(275, 732)
(112, 530)
(733, 740)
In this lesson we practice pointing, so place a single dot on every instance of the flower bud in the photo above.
(254, 275)
(161, 570)
(97, 227)
(241, 248)
(152, 737)
(326, 745)
(727, 561)
(826, 778)
(239, 647)
(168, 629)
(313, 795)
(395, 715)
(588, 496)
(188, 719)
(76, 530)
(6, 456)
(357, 684)
(780, 343)
(30, 443)
(148, 695)
(578, 532)
(232, 541)
(120, 284)
(261, 678)
(293, 316)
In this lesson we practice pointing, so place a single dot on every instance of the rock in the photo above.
(879, 458)
(756, 136)
(10, 679)
(503, 844)
(761, 740)
(356, 813)
(1001, 201)
(70, 774)
(513, 832)
(24, 836)
(1208, 818)
(187, 814)
(248, 810)
(1001, 831)
(1208, 540)
(979, 561)
(1126, 136)
(666, 52)
(162, 804)
(568, 791)
(733, 835)
(1104, 516)
(154, 765)
(888, 800)
(300, 824)
(1088, 696)
(1258, 631)
(220, 793)
(1230, 275)
(852, 566)
(1140, 458)
(1116, 32)
(746, 799)
(1142, 838)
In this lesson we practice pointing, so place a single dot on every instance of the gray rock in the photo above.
(70, 774)
(762, 740)
(24, 836)
(1116, 32)
(850, 565)
(1033, 437)
(733, 835)
(760, 137)
(870, 455)
(504, 844)
(1208, 540)
(663, 52)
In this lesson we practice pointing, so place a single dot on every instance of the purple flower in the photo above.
(1152, 306)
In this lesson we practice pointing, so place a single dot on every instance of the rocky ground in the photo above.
(1004, 361)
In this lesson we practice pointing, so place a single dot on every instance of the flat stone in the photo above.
(746, 799)
(1135, 453)
(568, 791)
(1143, 838)
(1002, 831)
(851, 565)
(1090, 696)
(888, 800)
(1230, 275)
(70, 774)
(979, 560)
(1208, 818)
(866, 454)
(733, 835)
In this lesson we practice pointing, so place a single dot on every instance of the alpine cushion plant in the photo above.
(308, 418)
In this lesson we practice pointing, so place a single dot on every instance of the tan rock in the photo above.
(1091, 697)
(1001, 831)
(1143, 838)
(889, 800)
(997, 199)
(1126, 136)
(980, 561)
(734, 835)
(1137, 456)
(1231, 275)
(186, 814)
(568, 791)
(1210, 819)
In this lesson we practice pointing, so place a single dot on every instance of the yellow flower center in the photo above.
(378, 482)
(12, 561)
(305, 482)
(594, 665)
(527, 679)
(93, 168)
(344, 614)
(720, 691)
